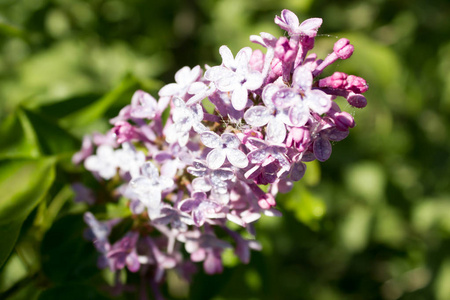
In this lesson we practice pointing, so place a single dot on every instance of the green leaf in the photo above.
(53, 140)
(66, 255)
(121, 229)
(9, 232)
(18, 137)
(66, 107)
(23, 184)
(98, 108)
(10, 30)
(307, 207)
(72, 292)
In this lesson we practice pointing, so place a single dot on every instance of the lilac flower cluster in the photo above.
(188, 176)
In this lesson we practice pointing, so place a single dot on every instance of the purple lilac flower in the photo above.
(214, 180)
(123, 253)
(188, 175)
(274, 116)
(201, 207)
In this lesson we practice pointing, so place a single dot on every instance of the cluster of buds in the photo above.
(235, 136)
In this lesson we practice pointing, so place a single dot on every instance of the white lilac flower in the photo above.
(183, 78)
(129, 159)
(235, 76)
(103, 163)
(184, 118)
(224, 147)
(150, 186)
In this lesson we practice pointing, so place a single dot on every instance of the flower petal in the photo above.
(230, 140)
(254, 80)
(302, 78)
(211, 139)
(216, 158)
(188, 205)
(215, 73)
(227, 57)
(310, 26)
(322, 149)
(299, 114)
(276, 131)
(257, 156)
(239, 98)
(169, 89)
(318, 101)
(257, 116)
(237, 158)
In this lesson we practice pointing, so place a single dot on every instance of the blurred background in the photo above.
(372, 222)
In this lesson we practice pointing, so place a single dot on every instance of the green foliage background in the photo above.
(373, 222)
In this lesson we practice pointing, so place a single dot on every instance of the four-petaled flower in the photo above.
(235, 76)
(275, 116)
(184, 78)
(312, 99)
(289, 22)
(224, 147)
(201, 208)
(149, 187)
(184, 118)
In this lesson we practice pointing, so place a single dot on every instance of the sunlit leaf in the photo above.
(98, 108)
(18, 138)
(23, 184)
(307, 207)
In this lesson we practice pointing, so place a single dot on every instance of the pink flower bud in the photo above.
(277, 67)
(284, 51)
(299, 137)
(356, 84)
(343, 48)
(336, 81)
(124, 131)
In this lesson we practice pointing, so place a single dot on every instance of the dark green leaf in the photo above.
(121, 229)
(66, 255)
(72, 292)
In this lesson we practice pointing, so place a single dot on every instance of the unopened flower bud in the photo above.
(356, 100)
(356, 84)
(343, 48)
(343, 120)
(299, 137)
(336, 81)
